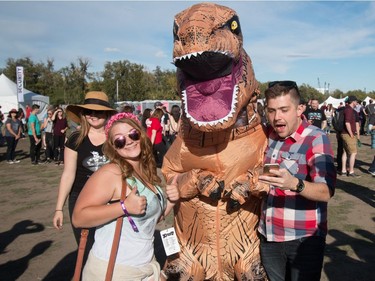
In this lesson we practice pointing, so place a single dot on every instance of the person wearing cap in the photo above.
(83, 155)
(35, 135)
(158, 104)
(350, 136)
(12, 135)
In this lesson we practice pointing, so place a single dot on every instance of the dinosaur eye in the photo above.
(234, 25)
(175, 32)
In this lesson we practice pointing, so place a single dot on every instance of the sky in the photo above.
(319, 43)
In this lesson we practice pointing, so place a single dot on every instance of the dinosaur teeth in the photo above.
(214, 122)
(187, 56)
(195, 54)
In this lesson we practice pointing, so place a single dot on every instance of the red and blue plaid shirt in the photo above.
(307, 154)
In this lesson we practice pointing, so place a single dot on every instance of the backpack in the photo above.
(338, 121)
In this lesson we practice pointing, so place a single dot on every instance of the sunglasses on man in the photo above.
(285, 83)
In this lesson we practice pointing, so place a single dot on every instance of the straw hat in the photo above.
(94, 101)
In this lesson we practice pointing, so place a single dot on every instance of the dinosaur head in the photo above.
(214, 73)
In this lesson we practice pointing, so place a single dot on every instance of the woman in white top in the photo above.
(329, 112)
(131, 159)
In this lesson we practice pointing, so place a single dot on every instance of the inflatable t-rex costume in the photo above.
(218, 151)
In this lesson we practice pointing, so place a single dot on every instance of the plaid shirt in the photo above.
(307, 155)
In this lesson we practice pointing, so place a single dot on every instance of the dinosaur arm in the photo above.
(172, 166)
(247, 185)
(191, 182)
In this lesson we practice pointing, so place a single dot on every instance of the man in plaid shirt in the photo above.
(293, 223)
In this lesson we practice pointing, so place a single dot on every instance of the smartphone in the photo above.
(268, 167)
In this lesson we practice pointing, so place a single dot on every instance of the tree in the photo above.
(307, 93)
(74, 81)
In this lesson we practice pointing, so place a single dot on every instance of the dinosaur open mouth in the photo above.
(210, 90)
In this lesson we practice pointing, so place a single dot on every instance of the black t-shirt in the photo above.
(316, 115)
(89, 159)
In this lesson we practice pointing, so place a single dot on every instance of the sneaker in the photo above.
(342, 173)
(354, 175)
(34, 163)
(372, 172)
(16, 161)
(10, 162)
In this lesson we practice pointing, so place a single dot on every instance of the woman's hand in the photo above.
(58, 219)
(135, 204)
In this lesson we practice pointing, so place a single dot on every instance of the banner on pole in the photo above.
(19, 72)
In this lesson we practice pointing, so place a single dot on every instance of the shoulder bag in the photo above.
(116, 240)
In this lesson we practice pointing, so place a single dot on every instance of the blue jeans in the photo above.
(296, 260)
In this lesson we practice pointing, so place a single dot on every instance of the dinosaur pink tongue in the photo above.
(210, 100)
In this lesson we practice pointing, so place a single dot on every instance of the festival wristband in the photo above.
(132, 223)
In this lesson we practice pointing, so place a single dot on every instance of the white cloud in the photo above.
(160, 54)
(111, 50)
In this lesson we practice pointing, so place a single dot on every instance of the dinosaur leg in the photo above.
(250, 267)
(184, 268)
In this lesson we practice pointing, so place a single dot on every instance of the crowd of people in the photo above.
(50, 133)
(358, 119)
(109, 148)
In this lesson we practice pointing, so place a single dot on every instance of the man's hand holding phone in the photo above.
(267, 169)
(277, 177)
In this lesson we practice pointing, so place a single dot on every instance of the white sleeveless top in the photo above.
(135, 248)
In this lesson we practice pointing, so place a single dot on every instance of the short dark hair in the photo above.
(35, 106)
(282, 88)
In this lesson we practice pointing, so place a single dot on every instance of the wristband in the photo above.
(132, 223)
(58, 210)
(124, 209)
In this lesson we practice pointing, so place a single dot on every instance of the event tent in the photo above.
(9, 100)
(336, 102)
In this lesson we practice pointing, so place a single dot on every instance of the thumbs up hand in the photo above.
(172, 191)
(136, 204)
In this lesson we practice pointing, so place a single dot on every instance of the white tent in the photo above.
(367, 100)
(9, 100)
(335, 102)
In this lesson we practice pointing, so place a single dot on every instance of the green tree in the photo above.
(74, 81)
(307, 92)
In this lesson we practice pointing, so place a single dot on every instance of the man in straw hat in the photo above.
(83, 154)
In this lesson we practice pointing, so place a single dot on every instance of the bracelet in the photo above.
(124, 209)
(58, 210)
(132, 223)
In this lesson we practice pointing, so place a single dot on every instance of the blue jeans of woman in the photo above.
(296, 260)
(11, 148)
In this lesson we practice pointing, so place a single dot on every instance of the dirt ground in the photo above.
(31, 249)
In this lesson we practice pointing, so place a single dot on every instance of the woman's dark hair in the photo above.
(145, 115)
(176, 112)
